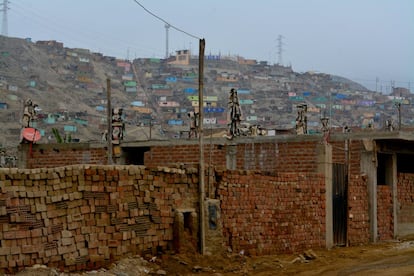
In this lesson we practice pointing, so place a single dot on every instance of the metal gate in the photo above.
(340, 203)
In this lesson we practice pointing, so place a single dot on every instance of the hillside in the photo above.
(69, 86)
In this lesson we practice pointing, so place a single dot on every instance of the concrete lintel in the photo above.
(185, 210)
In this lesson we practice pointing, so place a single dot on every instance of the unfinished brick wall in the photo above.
(384, 213)
(265, 156)
(79, 217)
(358, 218)
(292, 156)
(272, 214)
(58, 155)
(184, 154)
(341, 156)
(279, 156)
(405, 195)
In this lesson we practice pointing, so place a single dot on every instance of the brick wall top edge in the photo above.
(286, 138)
(374, 135)
(271, 174)
(65, 146)
(171, 170)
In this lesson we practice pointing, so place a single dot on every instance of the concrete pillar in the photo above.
(324, 159)
(369, 167)
(22, 155)
(231, 157)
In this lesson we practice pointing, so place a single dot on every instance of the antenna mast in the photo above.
(167, 27)
(4, 26)
(280, 49)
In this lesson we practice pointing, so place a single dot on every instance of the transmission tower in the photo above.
(167, 27)
(4, 26)
(280, 49)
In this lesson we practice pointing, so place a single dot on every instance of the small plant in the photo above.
(58, 138)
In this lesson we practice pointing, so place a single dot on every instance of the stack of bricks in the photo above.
(384, 213)
(81, 217)
(358, 221)
(274, 213)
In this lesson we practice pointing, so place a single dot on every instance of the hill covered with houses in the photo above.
(70, 88)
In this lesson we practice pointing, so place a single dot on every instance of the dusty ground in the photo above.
(387, 258)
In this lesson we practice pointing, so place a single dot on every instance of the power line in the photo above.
(82, 36)
(163, 20)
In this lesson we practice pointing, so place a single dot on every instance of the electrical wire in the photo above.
(164, 21)
(54, 26)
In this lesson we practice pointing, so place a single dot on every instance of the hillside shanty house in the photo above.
(182, 57)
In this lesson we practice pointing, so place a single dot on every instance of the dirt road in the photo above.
(386, 258)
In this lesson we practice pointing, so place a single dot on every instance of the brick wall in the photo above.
(272, 214)
(358, 219)
(405, 195)
(280, 156)
(292, 156)
(384, 213)
(265, 156)
(339, 154)
(57, 155)
(184, 154)
(79, 217)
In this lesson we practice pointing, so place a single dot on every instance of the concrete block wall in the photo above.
(385, 214)
(272, 214)
(82, 216)
(358, 217)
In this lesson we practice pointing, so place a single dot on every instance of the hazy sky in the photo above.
(358, 39)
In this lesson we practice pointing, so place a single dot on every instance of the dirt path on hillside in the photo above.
(387, 258)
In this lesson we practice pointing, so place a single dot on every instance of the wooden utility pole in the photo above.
(399, 116)
(202, 45)
(109, 119)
